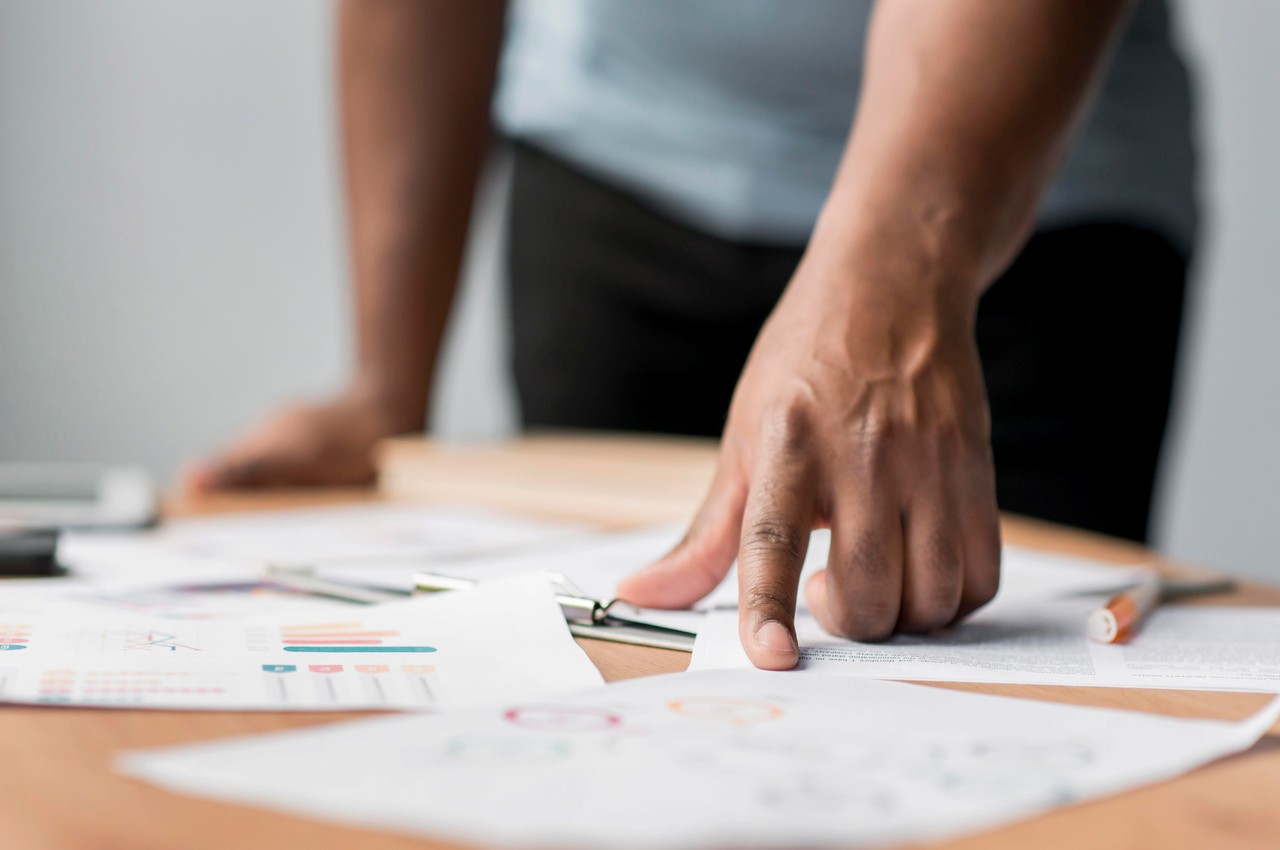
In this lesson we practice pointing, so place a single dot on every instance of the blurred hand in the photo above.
(861, 408)
(310, 445)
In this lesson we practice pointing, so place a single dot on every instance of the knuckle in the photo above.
(867, 559)
(872, 630)
(949, 434)
(791, 425)
(871, 622)
(981, 588)
(941, 565)
(797, 425)
(874, 449)
(867, 609)
(768, 599)
(878, 425)
(771, 537)
(934, 597)
(929, 616)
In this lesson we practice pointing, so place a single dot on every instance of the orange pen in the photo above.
(1115, 621)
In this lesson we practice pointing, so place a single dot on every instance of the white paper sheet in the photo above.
(496, 641)
(713, 759)
(1043, 642)
(423, 533)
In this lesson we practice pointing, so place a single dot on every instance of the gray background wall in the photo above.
(172, 259)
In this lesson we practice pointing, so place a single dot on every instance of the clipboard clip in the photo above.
(612, 620)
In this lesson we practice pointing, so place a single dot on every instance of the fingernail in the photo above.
(774, 637)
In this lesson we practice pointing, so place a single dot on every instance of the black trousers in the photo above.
(624, 319)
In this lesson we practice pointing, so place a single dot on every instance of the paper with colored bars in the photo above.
(500, 639)
(718, 759)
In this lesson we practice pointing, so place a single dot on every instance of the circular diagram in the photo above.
(563, 718)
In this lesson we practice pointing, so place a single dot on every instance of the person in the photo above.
(700, 244)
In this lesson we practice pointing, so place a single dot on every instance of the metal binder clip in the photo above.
(614, 620)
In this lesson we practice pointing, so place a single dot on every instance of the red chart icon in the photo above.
(563, 718)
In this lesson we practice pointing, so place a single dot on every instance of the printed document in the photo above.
(1043, 643)
(726, 758)
(501, 640)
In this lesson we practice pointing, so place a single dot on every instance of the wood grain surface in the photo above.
(58, 790)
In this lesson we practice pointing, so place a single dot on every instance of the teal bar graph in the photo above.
(359, 649)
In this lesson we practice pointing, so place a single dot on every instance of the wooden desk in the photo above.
(57, 789)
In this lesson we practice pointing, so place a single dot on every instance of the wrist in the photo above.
(919, 227)
(393, 406)
(925, 251)
(882, 300)
(889, 287)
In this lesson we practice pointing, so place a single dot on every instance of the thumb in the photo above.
(700, 561)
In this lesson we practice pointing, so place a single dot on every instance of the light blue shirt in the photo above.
(731, 115)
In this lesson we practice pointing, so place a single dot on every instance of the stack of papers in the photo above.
(187, 617)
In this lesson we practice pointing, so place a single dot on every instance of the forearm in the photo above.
(966, 109)
(415, 78)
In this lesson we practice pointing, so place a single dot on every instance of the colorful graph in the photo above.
(343, 638)
(361, 685)
(155, 640)
(14, 636)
